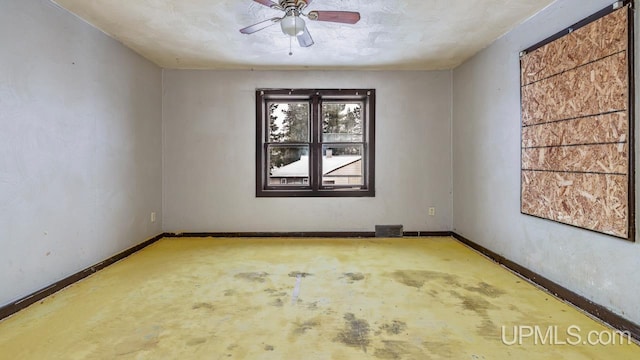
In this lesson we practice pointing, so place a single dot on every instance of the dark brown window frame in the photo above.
(315, 188)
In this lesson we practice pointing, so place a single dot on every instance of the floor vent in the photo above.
(389, 231)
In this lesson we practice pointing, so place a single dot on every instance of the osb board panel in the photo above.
(591, 201)
(593, 89)
(607, 158)
(600, 129)
(576, 138)
(601, 38)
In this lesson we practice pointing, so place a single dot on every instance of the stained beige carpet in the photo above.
(428, 298)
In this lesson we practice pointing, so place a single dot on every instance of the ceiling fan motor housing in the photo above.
(293, 4)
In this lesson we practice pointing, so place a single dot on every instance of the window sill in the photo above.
(318, 193)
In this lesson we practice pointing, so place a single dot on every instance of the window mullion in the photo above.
(315, 146)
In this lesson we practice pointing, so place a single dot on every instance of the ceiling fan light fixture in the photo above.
(292, 25)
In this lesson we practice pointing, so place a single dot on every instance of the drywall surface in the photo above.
(80, 147)
(486, 158)
(209, 153)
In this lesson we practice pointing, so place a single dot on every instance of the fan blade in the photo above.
(259, 26)
(268, 3)
(345, 17)
(305, 39)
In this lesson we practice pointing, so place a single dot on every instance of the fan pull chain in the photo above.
(290, 51)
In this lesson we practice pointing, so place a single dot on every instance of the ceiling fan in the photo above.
(292, 23)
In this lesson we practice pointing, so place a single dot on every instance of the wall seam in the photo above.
(162, 152)
(451, 139)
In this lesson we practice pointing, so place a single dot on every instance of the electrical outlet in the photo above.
(153, 217)
(432, 211)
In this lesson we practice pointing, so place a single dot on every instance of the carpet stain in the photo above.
(268, 348)
(355, 333)
(488, 330)
(203, 305)
(277, 303)
(295, 274)
(481, 307)
(275, 293)
(486, 290)
(252, 276)
(301, 327)
(394, 328)
(474, 303)
(395, 350)
(417, 278)
(353, 277)
(477, 304)
(441, 349)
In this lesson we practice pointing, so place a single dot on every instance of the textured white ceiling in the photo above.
(392, 34)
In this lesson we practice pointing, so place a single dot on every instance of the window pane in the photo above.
(288, 122)
(342, 165)
(288, 165)
(341, 122)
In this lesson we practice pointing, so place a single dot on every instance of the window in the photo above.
(315, 143)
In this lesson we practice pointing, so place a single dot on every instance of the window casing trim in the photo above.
(315, 187)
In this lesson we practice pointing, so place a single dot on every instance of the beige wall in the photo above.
(209, 153)
(486, 158)
(80, 147)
